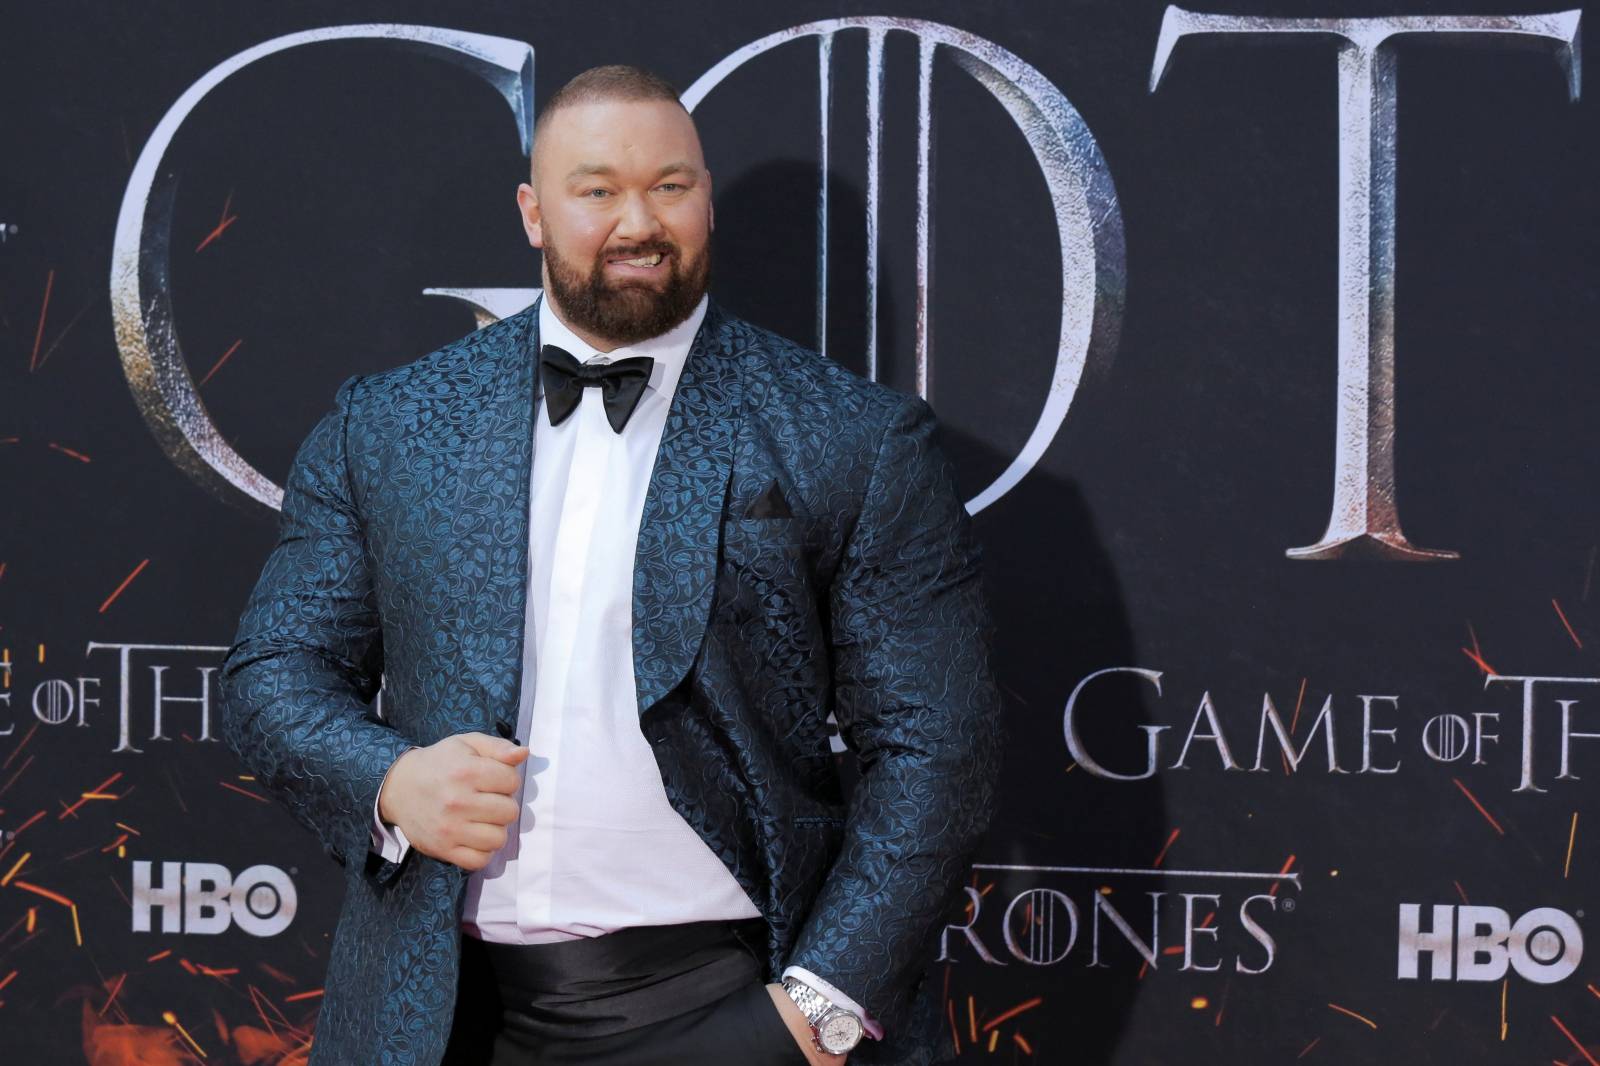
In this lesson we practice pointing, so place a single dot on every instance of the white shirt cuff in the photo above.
(800, 973)
(388, 840)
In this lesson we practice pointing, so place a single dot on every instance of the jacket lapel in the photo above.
(680, 531)
(489, 526)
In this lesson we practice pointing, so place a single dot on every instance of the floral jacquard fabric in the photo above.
(402, 558)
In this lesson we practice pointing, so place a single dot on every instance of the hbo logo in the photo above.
(1544, 946)
(203, 897)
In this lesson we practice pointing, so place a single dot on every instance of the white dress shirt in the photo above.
(598, 846)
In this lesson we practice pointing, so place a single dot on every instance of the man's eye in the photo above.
(669, 185)
(603, 192)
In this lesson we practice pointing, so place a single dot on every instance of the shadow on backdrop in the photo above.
(1060, 616)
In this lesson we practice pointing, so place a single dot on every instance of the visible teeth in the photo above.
(644, 261)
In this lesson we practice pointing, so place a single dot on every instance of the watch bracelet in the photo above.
(812, 1004)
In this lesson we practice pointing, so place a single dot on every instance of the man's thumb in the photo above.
(510, 753)
(494, 747)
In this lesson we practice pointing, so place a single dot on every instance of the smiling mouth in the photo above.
(651, 260)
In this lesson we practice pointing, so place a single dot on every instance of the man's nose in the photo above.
(638, 221)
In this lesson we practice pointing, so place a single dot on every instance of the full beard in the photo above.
(631, 311)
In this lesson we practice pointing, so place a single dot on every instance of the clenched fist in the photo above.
(454, 799)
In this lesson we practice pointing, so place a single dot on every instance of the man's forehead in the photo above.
(586, 169)
(607, 135)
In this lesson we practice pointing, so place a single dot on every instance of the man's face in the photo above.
(616, 181)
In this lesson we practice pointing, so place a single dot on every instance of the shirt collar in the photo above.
(670, 350)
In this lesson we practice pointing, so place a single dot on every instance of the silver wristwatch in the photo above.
(833, 1029)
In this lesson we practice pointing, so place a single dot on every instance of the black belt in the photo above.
(598, 986)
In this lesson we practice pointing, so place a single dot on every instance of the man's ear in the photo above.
(532, 219)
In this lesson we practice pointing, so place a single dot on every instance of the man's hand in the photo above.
(800, 1028)
(453, 800)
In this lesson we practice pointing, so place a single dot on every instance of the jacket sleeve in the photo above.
(916, 701)
(297, 684)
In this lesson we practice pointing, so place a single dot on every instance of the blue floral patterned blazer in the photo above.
(403, 554)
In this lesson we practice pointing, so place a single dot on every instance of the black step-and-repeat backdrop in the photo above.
(1264, 338)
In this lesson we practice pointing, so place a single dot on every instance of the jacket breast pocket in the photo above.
(769, 568)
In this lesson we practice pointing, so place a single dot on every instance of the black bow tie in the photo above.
(621, 384)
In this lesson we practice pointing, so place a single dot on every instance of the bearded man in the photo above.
(615, 560)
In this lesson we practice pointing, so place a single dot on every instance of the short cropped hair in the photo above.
(614, 81)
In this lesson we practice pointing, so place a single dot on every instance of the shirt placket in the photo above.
(554, 686)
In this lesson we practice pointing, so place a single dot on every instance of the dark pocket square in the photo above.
(770, 504)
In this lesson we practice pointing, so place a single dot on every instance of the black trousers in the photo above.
(646, 996)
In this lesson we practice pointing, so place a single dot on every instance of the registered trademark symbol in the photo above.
(1578, 913)
(294, 871)
(1288, 905)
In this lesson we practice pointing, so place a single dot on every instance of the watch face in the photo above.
(839, 1032)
